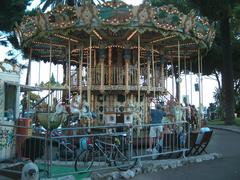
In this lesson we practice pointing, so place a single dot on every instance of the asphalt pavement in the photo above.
(226, 141)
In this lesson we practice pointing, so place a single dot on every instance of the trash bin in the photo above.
(23, 132)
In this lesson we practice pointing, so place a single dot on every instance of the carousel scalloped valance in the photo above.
(117, 15)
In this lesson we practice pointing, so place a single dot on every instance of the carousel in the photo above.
(116, 58)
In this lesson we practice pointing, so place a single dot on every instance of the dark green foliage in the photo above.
(213, 9)
(223, 11)
(52, 79)
(13, 40)
(224, 55)
(219, 103)
(11, 11)
(182, 5)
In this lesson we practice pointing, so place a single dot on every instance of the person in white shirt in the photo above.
(74, 105)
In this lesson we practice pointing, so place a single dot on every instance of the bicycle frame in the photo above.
(109, 157)
(115, 152)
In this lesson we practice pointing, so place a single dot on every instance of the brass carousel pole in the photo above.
(80, 72)
(102, 74)
(126, 74)
(148, 75)
(191, 81)
(49, 127)
(138, 76)
(185, 74)
(200, 88)
(201, 69)
(138, 67)
(93, 108)
(89, 79)
(172, 77)
(57, 92)
(109, 66)
(162, 76)
(49, 84)
(69, 70)
(166, 76)
(89, 72)
(179, 73)
(153, 74)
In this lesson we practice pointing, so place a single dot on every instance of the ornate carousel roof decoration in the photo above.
(113, 22)
(115, 13)
(168, 18)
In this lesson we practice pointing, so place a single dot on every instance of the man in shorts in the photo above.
(156, 129)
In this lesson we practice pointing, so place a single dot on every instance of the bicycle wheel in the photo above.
(123, 160)
(84, 161)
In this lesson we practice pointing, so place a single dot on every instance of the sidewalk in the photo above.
(231, 128)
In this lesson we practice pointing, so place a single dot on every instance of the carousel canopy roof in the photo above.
(114, 24)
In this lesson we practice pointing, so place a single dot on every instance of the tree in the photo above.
(223, 13)
(223, 55)
(182, 5)
(11, 11)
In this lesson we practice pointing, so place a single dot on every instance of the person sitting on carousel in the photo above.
(171, 108)
(75, 107)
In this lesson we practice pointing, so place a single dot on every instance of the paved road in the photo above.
(227, 168)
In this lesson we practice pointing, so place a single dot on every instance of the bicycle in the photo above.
(116, 153)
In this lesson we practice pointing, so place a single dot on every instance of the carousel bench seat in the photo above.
(44, 117)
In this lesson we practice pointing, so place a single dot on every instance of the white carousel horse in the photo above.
(60, 114)
(179, 113)
(85, 112)
(135, 109)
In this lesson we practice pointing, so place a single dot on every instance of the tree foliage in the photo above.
(182, 5)
(11, 11)
(224, 14)
(224, 55)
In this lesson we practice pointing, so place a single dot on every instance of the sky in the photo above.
(209, 84)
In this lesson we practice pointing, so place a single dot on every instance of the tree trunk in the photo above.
(217, 78)
(227, 74)
(28, 72)
(221, 107)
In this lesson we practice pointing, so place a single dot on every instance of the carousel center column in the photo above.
(148, 72)
(127, 59)
(102, 57)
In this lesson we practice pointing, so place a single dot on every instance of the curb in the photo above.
(153, 166)
(225, 129)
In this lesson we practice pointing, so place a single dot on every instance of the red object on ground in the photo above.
(23, 132)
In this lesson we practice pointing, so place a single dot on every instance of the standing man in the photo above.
(157, 128)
